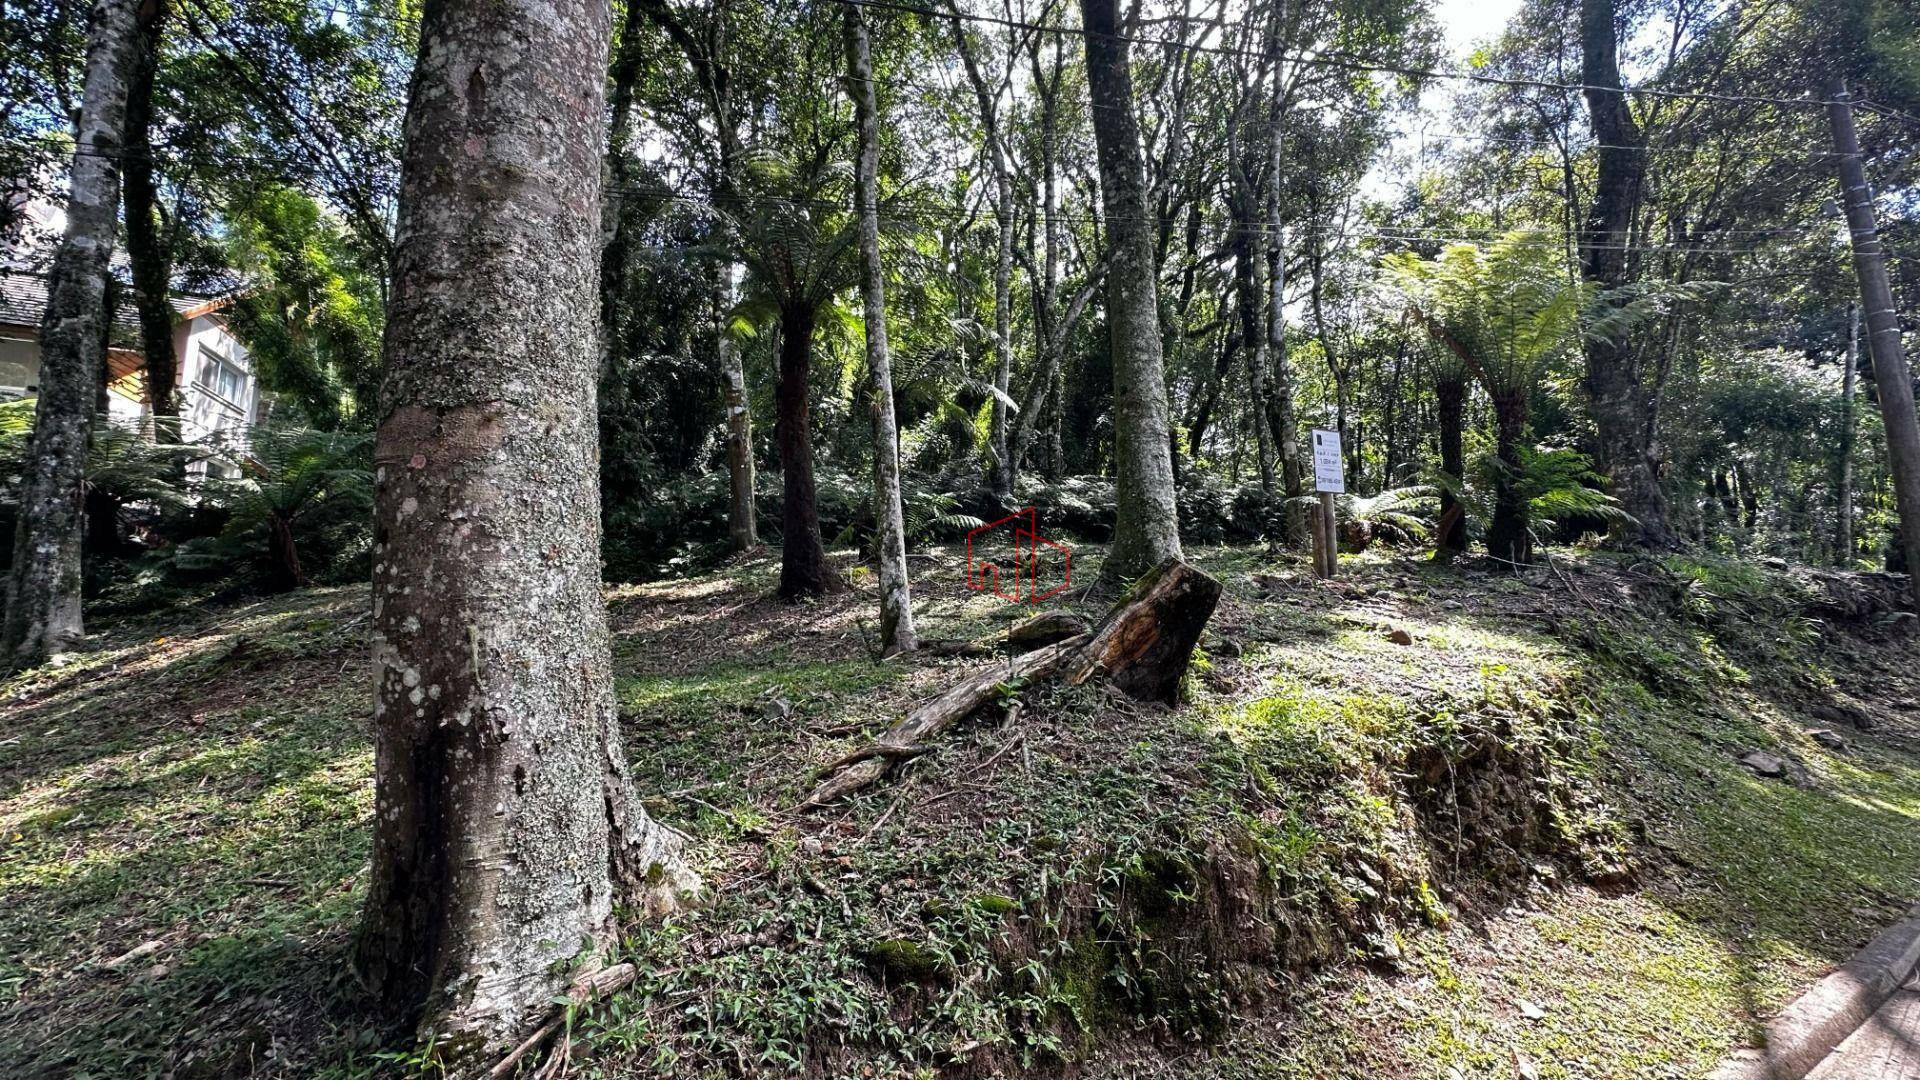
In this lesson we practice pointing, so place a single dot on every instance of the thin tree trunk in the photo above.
(1510, 534)
(1891, 378)
(614, 244)
(1210, 398)
(1625, 409)
(43, 587)
(147, 253)
(1147, 527)
(1450, 395)
(1248, 255)
(896, 602)
(1843, 497)
(804, 570)
(1001, 475)
(506, 826)
(742, 526)
(1281, 419)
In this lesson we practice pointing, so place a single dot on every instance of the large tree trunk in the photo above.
(1891, 378)
(1147, 529)
(147, 251)
(804, 570)
(506, 825)
(1510, 534)
(43, 586)
(1625, 409)
(896, 602)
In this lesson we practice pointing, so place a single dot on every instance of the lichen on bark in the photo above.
(507, 830)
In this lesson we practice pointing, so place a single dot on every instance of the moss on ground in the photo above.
(1417, 821)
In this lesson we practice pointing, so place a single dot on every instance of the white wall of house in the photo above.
(220, 393)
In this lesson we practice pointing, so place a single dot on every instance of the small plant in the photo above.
(294, 483)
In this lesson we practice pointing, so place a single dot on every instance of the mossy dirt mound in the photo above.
(1097, 869)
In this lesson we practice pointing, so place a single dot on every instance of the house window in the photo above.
(222, 376)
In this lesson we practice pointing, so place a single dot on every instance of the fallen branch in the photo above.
(930, 718)
(1142, 649)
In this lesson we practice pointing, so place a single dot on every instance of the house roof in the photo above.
(23, 300)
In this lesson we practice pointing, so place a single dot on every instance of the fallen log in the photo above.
(908, 738)
(1046, 628)
(1142, 649)
(1145, 643)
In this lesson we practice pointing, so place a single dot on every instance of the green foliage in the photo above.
(300, 493)
(312, 314)
(1559, 485)
(1505, 309)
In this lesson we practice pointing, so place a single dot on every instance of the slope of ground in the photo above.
(1416, 822)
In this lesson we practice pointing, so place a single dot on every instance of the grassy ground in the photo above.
(1523, 837)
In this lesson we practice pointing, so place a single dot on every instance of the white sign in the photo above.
(1329, 468)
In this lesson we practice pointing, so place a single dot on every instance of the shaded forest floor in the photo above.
(1419, 821)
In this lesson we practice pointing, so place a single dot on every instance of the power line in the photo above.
(1339, 62)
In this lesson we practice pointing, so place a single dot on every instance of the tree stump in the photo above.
(1144, 645)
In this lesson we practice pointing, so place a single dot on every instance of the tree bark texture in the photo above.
(1625, 408)
(804, 570)
(1891, 377)
(1147, 527)
(506, 823)
(43, 587)
(1144, 645)
(896, 601)
(147, 250)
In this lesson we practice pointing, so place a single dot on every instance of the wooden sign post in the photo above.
(1329, 479)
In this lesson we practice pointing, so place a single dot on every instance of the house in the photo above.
(220, 395)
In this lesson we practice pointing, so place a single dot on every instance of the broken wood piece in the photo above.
(931, 717)
(1144, 645)
(1046, 628)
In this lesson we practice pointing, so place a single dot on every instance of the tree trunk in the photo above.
(1001, 476)
(1843, 495)
(1510, 534)
(1248, 255)
(614, 244)
(742, 525)
(803, 557)
(43, 587)
(1891, 378)
(896, 602)
(1280, 417)
(506, 825)
(147, 252)
(1625, 409)
(1144, 645)
(283, 555)
(1451, 396)
(1147, 528)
